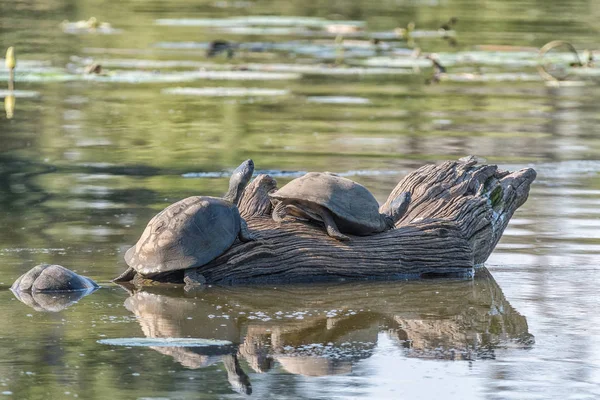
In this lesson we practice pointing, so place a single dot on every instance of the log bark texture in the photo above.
(456, 216)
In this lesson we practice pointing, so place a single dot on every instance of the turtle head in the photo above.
(396, 209)
(238, 181)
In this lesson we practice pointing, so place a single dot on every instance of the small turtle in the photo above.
(219, 46)
(93, 69)
(191, 232)
(52, 278)
(341, 204)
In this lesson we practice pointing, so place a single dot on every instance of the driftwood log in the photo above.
(457, 214)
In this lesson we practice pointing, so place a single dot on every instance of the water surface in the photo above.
(86, 161)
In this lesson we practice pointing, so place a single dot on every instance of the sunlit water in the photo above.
(87, 160)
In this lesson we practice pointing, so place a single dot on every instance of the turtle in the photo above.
(191, 232)
(340, 203)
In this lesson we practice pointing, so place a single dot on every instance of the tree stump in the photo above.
(457, 214)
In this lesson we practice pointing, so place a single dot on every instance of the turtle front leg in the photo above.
(245, 235)
(279, 212)
(332, 229)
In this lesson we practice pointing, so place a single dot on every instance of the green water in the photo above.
(86, 161)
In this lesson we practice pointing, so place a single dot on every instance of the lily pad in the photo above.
(338, 100)
(513, 59)
(24, 94)
(264, 31)
(226, 92)
(330, 71)
(587, 71)
(566, 83)
(164, 342)
(49, 75)
(270, 71)
(393, 62)
(136, 63)
(275, 21)
(432, 34)
(325, 50)
(27, 65)
(153, 77)
(492, 77)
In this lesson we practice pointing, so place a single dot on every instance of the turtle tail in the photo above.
(126, 276)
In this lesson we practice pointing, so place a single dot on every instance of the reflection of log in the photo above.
(255, 350)
(307, 328)
(436, 338)
(236, 376)
(465, 336)
(457, 214)
(167, 317)
(314, 366)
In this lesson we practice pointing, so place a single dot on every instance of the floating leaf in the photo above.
(226, 91)
(491, 77)
(154, 77)
(164, 342)
(275, 21)
(319, 69)
(26, 65)
(337, 100)
(394, 62)
(269, 71)
(19, 93)
(135, 63)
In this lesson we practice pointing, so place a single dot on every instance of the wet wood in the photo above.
(456, 216)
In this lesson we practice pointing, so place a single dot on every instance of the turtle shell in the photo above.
(186, 234)
(354, 209)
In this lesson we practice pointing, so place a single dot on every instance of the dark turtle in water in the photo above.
(52, 278)
(341, 204)
(219, 46)
(191, 232)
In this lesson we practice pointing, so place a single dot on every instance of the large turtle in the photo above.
(191, 232)
(341, 204)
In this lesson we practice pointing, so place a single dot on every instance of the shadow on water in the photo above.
(327, 329)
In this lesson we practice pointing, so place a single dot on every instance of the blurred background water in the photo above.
(87, 160)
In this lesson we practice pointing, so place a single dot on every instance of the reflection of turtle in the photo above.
(341, 204)
(191, 232)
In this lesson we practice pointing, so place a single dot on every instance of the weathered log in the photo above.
(479, 199)
(456, 216)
